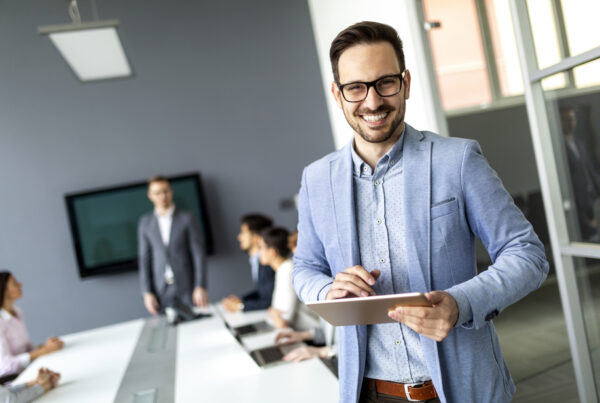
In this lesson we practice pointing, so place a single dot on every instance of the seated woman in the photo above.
(16, 350)
(274, 252)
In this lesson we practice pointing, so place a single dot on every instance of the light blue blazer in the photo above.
(450, 196)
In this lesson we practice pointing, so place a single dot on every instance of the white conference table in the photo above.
(211, 366)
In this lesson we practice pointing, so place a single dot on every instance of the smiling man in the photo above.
(397, 210)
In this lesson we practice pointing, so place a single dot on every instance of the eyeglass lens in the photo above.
(385, 87)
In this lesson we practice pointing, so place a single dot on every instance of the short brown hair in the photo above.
(256, 222)
(157, 178)
(364, 33)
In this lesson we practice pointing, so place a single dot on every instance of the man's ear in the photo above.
(337, 95)
(406, 84)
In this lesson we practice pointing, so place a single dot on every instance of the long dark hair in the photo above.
(4, 277)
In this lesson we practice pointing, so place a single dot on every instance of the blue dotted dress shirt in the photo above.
(394, 350)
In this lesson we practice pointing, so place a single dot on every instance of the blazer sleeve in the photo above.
(20, 393)
(311, 276)
(197, 252)
(261, 297)
(519, 262)
(144, 259)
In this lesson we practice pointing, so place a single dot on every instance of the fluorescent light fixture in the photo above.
(92, 49)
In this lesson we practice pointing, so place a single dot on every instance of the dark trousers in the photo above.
(371, 396)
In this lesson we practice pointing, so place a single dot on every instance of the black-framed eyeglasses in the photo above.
(386, 86)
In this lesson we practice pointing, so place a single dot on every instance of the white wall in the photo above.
(331, 16)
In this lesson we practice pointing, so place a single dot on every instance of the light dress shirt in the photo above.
(164, 224)
(20, 393)
(254, 264)
(394, 350)
(284, 296)
(14, 343)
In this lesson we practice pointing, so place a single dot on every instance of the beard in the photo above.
(354, 123)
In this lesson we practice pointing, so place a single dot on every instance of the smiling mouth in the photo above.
(375, 119)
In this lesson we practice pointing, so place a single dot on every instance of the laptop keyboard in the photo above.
(242, 330)
(271, 354)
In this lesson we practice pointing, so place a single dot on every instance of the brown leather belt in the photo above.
(410, 391)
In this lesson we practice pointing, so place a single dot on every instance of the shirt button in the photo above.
(365, 169)
(398, 343)
(382, 260)
(392, 162)
(377, 183)
(378, 221)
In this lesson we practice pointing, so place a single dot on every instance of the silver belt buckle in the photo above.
(407, 392)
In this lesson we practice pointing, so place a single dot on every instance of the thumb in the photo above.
(376, 273)
(435, 297)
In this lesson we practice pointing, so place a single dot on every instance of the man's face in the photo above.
(160, 194)
(568, 121)
(376, 119)
(245, 238)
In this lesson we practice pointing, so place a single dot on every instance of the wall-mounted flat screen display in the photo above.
(104, 222)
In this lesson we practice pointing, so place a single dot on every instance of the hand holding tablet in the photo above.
(365, 310)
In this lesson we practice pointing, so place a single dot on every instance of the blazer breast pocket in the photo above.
(444, 207)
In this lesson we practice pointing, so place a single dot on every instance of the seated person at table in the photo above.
(293, 241)
(322, 338)
(274, 251)
(16, 350)
(263, 276)
(29, 391)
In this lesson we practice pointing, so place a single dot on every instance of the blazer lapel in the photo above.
(342, 188)
(417, 201)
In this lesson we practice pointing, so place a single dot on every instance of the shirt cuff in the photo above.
(33, 392)
(465, 314)
(24, 359)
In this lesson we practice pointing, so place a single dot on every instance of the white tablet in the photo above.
(365, 310)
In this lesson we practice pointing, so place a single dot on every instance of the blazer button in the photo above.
(491, 315)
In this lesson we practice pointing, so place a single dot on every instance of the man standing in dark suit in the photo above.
(585, 180)
(171, 257)
(263, 276)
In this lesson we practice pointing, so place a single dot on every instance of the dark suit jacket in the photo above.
(586, 186)
(261, 297)
(185, 254)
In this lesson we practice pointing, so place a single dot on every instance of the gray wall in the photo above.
(227, 88)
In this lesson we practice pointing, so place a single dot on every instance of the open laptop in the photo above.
(273, 355)
(253, 328)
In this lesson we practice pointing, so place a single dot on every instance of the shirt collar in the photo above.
(392, 156)
(169, 213)
(4, 314)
